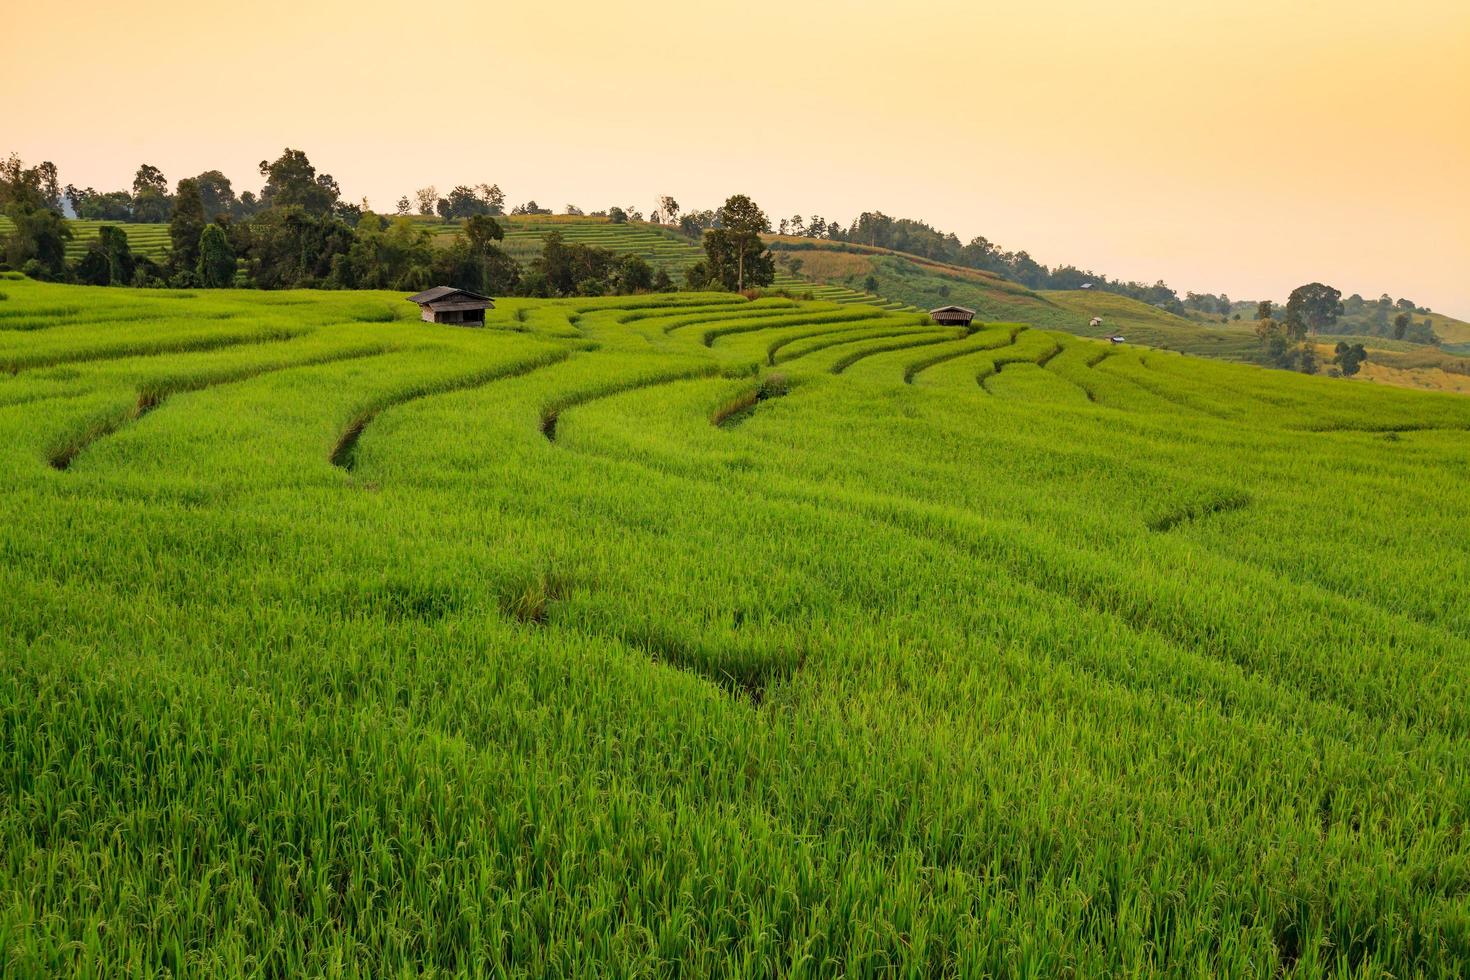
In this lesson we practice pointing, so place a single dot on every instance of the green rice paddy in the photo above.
(680, 635)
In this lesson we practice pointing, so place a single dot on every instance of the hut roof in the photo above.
(953, 309)
(445, 296)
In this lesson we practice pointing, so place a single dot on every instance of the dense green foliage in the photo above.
(680, 635)
(735, 257)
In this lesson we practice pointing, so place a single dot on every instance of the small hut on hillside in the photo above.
(953, 316)
(445, 304)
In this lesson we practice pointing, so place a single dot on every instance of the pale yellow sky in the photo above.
(1246, 146)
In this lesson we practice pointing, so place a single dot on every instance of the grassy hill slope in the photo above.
(927, 284)
(684, 635)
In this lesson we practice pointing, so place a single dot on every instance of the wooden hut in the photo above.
(445, 304)
(953, 316)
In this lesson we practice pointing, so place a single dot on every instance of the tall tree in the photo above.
(185, 226)
(669, 208)
(150, 195)
(291, 179)
(1312, 308)
(217, 195)
(149, 177)
(493, 197)
(113, 246)
(34, 187)
(426, 198)
(216, 267)
(404, 206)
(735, 256)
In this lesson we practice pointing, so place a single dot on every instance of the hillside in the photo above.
(926, 284)
(651, 635)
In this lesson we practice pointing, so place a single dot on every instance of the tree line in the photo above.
(296, 233)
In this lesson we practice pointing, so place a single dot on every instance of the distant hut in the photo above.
(953, 316)
(445, 304)
(1095, 322)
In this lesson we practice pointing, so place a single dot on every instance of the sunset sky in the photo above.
(1246, 146)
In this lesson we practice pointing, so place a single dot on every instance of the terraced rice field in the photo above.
(146, 239)
(681, 635)
(661, 248)
(836, 293)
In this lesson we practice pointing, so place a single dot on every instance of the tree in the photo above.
(291, 180)
(216, 266)
(108, 261)
(797, 225)
(1349, 358)
(92, 269)
(149, 177)
(49, 184)
(735, 256)
(32, 187)
(1282, 347)
(427, 198)
(462, 202)
(404, 206)
(150, 195)
(694, 223)
(617, 215)
(572, 269)
(634, 274)
(669, 208)
(289, 247)
(399, 257)
(38, 241)
(217, 195)
(493, 198)
(473, 261)
(95, 206)
(482, 230)
(1401, 325)
(186, 225)
(249, 205)
(574, 211)
(1312, 308)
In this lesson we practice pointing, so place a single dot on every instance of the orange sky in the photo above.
(1245, 146)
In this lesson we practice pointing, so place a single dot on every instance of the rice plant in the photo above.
(683, 636)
